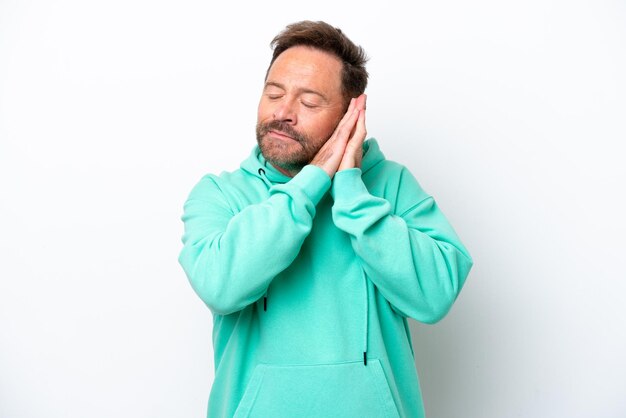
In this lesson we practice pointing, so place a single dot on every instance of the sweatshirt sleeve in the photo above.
(231, 258)
(410, 252)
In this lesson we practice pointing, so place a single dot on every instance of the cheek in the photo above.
(263, 111)
(259, 114)
(327, 127)
(320, 125)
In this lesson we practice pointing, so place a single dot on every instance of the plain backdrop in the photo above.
(512, 114)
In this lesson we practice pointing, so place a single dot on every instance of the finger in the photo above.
(348, 114)
(354, 146)
(359, 138)
(360, 131)
(361, 123)
(351, 108)
(346, 127)
(360, 101)
(352, 103)
(342, 134)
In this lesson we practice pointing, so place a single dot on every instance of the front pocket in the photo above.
(343, 390)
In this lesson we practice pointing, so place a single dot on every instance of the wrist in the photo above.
(326, 169)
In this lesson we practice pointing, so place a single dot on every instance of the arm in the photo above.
(231, 258)
(411, 254)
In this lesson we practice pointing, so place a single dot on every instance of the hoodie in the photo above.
(311, 281)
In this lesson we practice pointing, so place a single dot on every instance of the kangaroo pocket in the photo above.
(342, 390)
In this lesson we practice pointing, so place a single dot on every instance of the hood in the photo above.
(259, 167)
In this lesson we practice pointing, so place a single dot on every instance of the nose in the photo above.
(285, 111)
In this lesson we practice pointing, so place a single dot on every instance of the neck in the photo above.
(288, 173)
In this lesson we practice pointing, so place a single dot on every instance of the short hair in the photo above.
(320, 35)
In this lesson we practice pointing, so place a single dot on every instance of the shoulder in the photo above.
(390, 172)
(221, 183)
(377, 167)
(388, 169)
(394, 182)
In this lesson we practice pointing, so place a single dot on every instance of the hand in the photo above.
(353, 153)
(351, 129)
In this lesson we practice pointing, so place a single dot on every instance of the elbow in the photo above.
(213, 291)
(440, 300)
(215, 295)
(210, 286)
(436, 309)
(221, 306)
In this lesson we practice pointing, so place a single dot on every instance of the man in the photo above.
(313, 254)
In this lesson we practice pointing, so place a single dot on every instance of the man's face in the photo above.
(300, 107)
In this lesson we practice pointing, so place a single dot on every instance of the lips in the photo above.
(280, 131)
(281, 135)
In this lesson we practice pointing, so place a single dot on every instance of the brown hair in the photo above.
(322, 36)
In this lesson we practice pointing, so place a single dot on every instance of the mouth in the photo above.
(282, 136)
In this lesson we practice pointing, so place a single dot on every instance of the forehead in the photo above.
(308, 68)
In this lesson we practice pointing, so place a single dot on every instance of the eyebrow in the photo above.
(302, 90)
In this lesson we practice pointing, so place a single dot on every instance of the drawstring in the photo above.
(367, 311)
(261, 172)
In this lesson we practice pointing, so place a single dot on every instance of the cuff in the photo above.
(312, 181)
(348, 185)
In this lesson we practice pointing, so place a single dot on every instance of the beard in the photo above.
(290, 157)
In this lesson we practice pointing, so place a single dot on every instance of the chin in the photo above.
(281, 157)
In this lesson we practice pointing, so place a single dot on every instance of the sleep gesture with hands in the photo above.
(343, 149)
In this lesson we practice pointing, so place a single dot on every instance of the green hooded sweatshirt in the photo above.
(311, 281)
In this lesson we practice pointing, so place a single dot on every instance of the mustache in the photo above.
(285, 128)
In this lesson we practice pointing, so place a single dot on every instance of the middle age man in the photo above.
(313, 254)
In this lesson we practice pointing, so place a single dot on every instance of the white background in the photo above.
(512, 114)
